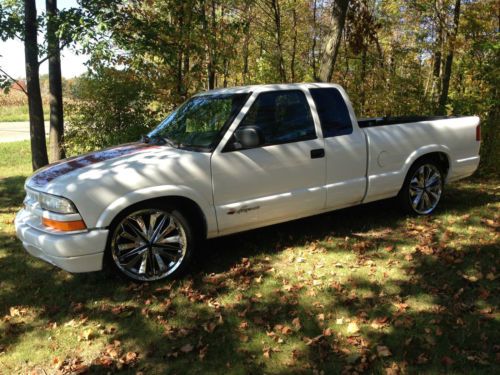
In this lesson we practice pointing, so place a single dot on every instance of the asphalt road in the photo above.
(17, 131)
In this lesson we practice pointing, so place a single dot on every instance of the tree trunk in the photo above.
(436, 69)
(443, 98)
(37, 127)
(332, 44)
(211, 48)
(294, 45)
(313, 47)
(279, 38)
(362, 96)
(56, 136)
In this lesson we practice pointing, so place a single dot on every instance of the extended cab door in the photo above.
(282, 178)
(345, 146)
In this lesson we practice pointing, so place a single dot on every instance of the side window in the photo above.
(282, 116)
(332, 112)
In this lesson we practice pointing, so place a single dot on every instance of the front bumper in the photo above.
(73, 252)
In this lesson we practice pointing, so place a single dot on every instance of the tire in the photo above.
(149, 243)
(422, 189)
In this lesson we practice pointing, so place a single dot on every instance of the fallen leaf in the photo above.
(296, 323)
(129, 358)
(266, 352)
(209, 327)
(447, 361)
(187, 348)
(86, 335)
(327, 332)
(383, 351)
(352, 328)
(422, 359)
(203, 352)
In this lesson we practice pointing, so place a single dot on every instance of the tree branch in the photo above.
(49, 55)
(13, 80)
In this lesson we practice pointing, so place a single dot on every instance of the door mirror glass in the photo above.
(248, 137)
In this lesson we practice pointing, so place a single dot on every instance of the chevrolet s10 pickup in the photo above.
(231, 160)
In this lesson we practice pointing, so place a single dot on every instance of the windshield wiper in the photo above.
(169, 142)
(158, 140)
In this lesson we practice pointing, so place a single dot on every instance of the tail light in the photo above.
(478, 132)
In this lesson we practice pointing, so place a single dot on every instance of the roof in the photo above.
(269, 87)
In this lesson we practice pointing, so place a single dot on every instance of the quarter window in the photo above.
(282, 117)
(332, 112)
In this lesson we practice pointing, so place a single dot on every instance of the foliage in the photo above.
(109, 107)
(391, 59)
(362, 290)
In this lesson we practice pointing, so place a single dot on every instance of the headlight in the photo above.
(56, 204)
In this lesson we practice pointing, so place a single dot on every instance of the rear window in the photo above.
(332, 112)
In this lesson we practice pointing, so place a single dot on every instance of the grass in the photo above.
(19, 112)
(364, 289)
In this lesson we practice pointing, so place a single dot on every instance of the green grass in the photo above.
(364, 289)
(15, 113)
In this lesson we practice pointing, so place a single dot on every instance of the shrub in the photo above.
(109, 107)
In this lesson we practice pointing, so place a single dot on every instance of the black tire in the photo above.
(430, 188)
(126, 232)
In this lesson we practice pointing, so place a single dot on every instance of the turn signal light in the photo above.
(66, 226)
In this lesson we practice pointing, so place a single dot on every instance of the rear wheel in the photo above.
(422, 189)
(150, 244)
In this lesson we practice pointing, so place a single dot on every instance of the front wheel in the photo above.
(150, 244)
(422, 189)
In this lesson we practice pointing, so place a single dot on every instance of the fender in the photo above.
(422, 151)
(161, 191)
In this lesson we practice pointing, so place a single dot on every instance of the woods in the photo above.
(397, 57)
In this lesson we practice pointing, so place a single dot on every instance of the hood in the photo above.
(96, 181)
(43, 176)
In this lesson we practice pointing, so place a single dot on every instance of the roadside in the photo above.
(17, 131)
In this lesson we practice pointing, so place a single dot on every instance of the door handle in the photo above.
(318, 153)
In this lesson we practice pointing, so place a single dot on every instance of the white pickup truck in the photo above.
(230, 160)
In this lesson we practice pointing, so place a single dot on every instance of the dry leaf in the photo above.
(383, 351)
(447, 361)
(187, 348)
(352, 328)
(296, 323)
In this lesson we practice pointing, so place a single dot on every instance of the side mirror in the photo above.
(248, 137)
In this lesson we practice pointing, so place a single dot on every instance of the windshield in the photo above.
(199, 122)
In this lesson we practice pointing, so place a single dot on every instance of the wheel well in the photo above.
(440, 158)
(187, 206)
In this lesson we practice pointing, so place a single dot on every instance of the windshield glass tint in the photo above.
(198, 122)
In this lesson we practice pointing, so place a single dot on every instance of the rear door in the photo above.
(281, 179)
(345, 146)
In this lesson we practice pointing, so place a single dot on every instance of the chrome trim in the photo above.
(426, 187)
(148, 245)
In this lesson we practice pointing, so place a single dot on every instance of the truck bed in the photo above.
(381, 121)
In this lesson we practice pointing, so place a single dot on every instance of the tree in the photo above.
(332, 43)
(37, 126)
(443, 98)
(55, 84)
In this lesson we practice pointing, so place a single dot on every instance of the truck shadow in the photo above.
(219, 254)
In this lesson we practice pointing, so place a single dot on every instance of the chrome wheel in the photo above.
(426, 187)
(149, 245)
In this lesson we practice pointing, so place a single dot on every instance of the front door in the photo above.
(282, 178)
